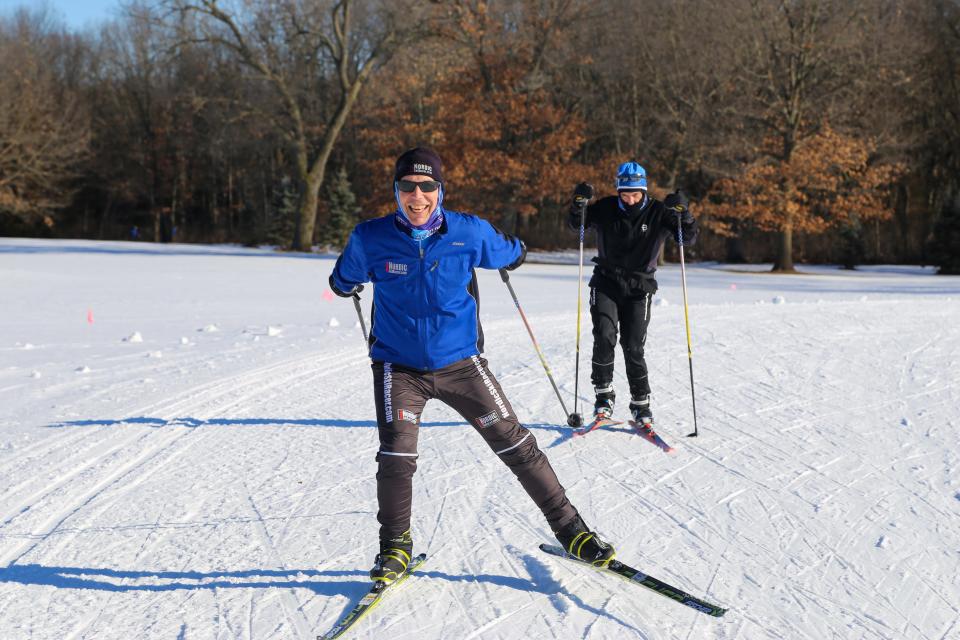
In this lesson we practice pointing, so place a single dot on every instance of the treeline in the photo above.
(811, 130)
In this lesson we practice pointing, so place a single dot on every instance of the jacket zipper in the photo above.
(422, 324)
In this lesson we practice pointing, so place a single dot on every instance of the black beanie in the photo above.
(421, 162)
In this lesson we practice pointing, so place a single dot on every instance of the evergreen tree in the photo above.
(344, 212)
(282, 217)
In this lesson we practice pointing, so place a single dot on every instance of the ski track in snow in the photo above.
(226, 489)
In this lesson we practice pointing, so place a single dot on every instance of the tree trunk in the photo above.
(315, 176)
(230, 202)
(904, 250)
(105, 216)
(784, 260)
(308, 212)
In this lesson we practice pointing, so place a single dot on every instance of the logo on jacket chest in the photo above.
(398, 268)
(625, 230)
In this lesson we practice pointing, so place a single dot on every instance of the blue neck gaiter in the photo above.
(428, 228)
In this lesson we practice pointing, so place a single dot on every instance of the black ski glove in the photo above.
(355, 291)
(582, 194)
(519, 261)
(678, 202)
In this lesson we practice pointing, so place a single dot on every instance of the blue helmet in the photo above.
(631, 177)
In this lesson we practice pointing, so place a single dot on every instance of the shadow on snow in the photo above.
(256, 422)
(124, 581)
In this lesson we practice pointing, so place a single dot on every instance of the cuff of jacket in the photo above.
(519, 261)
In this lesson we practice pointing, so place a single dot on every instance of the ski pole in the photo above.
(576, 420)
(686, 319)
(363, 326)
(506, 279)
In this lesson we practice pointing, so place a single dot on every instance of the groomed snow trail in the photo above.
(216, 480)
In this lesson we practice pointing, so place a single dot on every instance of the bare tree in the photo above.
(793, 59)
(939, 102)
(338, 43)
(44, 130)
(137, 91)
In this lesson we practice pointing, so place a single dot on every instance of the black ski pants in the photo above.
(468, 387)
(632, 314)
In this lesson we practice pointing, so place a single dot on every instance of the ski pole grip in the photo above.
(504, 275)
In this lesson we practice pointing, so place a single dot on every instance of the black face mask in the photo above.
(633, 209)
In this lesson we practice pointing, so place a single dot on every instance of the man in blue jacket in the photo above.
(425, 343)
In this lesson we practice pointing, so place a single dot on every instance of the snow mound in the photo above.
(778, 300)
(661, 302)
(333, 322)
(273, 332)
(134, 337)
(210, 328)
(83, 369)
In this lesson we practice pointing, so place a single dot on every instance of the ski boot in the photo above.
(584, 544)
(393, 558)
(603, 406)
(640, 410)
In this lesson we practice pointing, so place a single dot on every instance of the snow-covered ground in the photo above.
(187, 444)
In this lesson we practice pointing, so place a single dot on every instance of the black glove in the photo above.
(678, 202)
(355, 291)
(519, 261)
(582, 194)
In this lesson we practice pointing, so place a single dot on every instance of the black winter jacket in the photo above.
(628, 246)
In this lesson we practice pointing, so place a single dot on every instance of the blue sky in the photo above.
(76, 14)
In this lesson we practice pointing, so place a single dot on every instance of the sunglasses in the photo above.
(409, 186)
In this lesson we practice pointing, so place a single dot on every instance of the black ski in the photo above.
(369, 601)
(638, 577)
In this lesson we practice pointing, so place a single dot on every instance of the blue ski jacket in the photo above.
(425, 297)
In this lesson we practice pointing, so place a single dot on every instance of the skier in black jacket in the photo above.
(631, 229)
